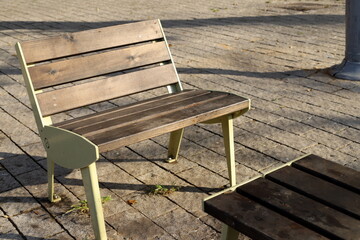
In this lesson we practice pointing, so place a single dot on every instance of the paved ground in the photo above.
(275, 52)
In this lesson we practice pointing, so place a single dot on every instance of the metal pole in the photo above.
(350, 66)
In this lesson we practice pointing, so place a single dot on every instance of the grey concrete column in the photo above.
(350, 66)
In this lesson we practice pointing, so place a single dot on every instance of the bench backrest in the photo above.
(78, 69)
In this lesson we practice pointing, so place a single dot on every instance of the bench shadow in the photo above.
(276, 75)
(285, 20)
(145, 188)
(9, 236)
(263, 76)
(13, 162)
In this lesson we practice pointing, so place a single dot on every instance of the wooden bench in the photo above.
(310, 198)
(79, 69)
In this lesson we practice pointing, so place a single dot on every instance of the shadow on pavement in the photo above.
(285, 20)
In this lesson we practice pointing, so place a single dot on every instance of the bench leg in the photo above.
(228, 233)
(174, 145)
(93, 197)
(228, 132)
(50, 173)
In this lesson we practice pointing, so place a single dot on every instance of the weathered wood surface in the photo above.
(308, 198)
(105, 89)
(322, 190)
(69, 70)
(331, 171)
(91, 40)
(136, 107)
(307, 211)
(127, 125)
(255, 220)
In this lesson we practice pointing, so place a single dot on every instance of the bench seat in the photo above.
(132, 123)
(310, 198)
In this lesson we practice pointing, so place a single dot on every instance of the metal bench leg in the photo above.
(228, 233)
(174, 145)
(228, 132)
(93, 197)
(50, 172)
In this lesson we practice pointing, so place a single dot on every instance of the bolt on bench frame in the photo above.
(103, 64)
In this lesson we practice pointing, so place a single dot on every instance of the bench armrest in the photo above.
(68, 149)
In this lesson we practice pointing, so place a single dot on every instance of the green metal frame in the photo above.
(41, 122)
(91, 184)
(228, 134)
(69, 150)
(228, 233)
(174, 145)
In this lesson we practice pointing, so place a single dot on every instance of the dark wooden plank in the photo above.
(165, 116)
(64, 99)
(52, 74)
(143, 115)
(316, 188)
(195, 113)
(255, 220)
(143, 130)
(330, 171)
(305, 211)
(87, 41)
(132, 108)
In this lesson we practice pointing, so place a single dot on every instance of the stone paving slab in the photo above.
(275, 52)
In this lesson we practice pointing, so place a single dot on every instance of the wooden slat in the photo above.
(212, 101)
(127, 121)
(307, 212)
(56, 73)
(330, 171)
(86, 41)
(321, 190)
(101, 90)
(123, 118)
(255, 220)
(159, 125)
(132, 108)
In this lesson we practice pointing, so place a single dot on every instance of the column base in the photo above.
(346, 70)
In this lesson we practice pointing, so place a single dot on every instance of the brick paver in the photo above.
(274, 52)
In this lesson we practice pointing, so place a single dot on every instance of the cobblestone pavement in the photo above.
(275, 52)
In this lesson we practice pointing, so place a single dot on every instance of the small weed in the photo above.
(217, 9)
(82, 205)
(160, 190)
(105, 199)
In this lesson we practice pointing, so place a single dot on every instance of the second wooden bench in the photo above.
(310, 198)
